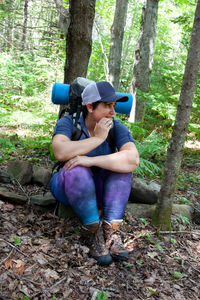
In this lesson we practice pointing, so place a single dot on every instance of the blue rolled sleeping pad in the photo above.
(61, 91)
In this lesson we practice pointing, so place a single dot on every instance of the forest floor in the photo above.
(42, 257)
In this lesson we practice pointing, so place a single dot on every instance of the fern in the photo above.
(152, 151)
(147, 168)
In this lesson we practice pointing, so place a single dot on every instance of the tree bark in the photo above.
(63, 17)
(117, 33)
(144, 52)
(79, 40)
(163, 212)
(25, 25)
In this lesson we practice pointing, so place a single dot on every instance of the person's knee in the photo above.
(79, 175)
(127, 177)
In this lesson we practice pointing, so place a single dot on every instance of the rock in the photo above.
(4, 177)
(144, 192)
(197, 214)
(141, 210)
(41, 175)
(9, 196)
(147, 211)
(64, 211)
(183, 210)
(43, 200)
(20, 170)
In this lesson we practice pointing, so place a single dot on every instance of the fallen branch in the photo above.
(13, 246)
(58, 282)
(20, 186)
(6, 257)
(177, 232)
(189, 263)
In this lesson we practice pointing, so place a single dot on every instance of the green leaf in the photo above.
(150, 290)
(144, 221)
(102, 296)
(178, 275)
(159, 246)
(173, 240)
(25, 297)
(178, 258)
(17, 240)
(138, 263)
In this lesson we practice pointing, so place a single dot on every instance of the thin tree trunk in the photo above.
(105, 57)
(174, 155)
(117, 33)
(63, 17)
(25, 25)
(144, 51)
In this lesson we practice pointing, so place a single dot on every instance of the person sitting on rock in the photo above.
(93, 177)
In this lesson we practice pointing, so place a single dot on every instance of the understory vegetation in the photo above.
(28, 117)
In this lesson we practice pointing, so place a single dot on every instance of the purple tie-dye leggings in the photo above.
(87, 191)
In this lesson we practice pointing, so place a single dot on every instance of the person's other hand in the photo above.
(83, 161)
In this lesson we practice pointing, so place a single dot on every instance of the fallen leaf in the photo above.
(152, 254)
(8, 263)
(18, 267)
(151, 279)
(51, 273)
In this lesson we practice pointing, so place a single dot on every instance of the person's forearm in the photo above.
(66, 150)
(123, 162)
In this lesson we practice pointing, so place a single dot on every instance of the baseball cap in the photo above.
(101, 91)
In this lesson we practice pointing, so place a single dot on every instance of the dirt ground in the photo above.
(41, 257)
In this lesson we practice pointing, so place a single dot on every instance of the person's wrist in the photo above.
(99, 139)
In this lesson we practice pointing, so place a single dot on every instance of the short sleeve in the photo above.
(64, 126)
(122, 134)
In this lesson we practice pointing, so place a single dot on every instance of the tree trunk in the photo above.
(25, 25)
(144, 51)
(79, 40)
(117, 33)
(63, 17)
(174, 155)
(105, 58)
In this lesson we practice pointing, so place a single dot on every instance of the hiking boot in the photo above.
(94, 239)
(113, 240)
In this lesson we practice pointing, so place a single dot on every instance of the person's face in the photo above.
(103, 110)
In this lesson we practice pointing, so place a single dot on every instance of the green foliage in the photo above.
(143, 221)
(17, 240)
(152, 151)
(25, 297)
(185, 179)
(184, 200)
(102, 296)
(178, 275)
(173, 240)
(184, 220)
(7, 148)
(138, 263)
(151, 290)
